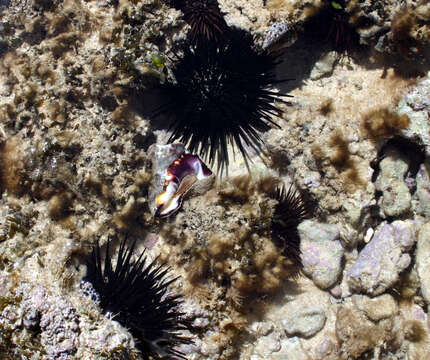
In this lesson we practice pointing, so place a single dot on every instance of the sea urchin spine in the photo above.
(221, 96)
(205, 18)
(136, 295)
(290, 211)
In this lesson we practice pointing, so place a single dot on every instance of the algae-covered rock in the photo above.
(377, 308)
(416, 105)
(53, 322)
(357, 334)
(76, 122)
(396, 198)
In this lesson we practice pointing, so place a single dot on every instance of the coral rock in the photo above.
(377, 308)
(358, 334)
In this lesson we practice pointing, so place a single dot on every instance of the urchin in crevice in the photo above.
(136, 295)
(221, 95)
(331, 25)
(205, 18)
(290, 211)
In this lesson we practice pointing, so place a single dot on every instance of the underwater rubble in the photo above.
(313, 244)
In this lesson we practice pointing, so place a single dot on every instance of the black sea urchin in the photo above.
(136, 295)
(331, 25)
(221, 96)
(290, 211)
(204, 17)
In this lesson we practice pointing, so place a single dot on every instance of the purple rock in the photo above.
(322, 252)
(382, 260)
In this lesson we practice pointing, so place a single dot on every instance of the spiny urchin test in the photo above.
(136, 295)
(331, 24)
(221, 95)
(290, 211)
(204, 17)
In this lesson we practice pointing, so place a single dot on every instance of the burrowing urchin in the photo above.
(204, 17)
(289, 212)
(137, 295)
(222, 95)
(331, 24)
